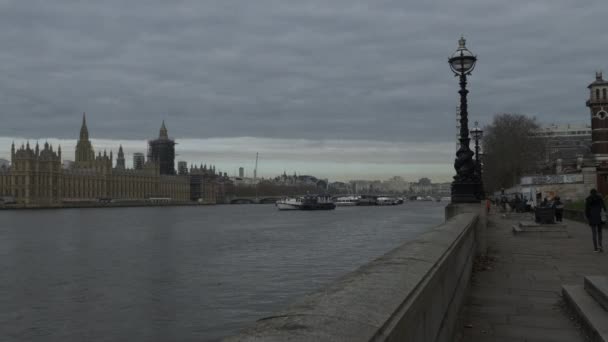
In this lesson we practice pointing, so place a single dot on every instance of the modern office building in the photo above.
(138, 161)
(182, 168)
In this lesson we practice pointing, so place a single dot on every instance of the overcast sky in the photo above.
(341, 88)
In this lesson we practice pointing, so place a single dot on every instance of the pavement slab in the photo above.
(516, 295)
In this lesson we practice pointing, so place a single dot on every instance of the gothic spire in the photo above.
(120, 160)
(163, 131)
(84, 131)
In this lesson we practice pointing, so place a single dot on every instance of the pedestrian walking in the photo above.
(594, 206)
(559, 209)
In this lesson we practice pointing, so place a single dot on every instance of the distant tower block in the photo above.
(182, 168)
(138, 161)
(241, 172)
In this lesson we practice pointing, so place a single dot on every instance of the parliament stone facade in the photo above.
(36, 176)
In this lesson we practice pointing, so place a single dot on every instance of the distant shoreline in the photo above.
(100, 205)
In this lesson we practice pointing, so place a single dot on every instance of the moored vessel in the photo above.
(389, 201)
(347, 201)
(308, 202)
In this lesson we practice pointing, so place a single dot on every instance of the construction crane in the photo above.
(255, 169)
(255, 175)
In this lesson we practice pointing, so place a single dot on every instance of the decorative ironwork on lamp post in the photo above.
(466, 187)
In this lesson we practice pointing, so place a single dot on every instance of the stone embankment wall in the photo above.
(412, 293)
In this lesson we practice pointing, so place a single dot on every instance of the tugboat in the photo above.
(308, 202)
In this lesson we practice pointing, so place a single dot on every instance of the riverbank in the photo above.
(83, 205)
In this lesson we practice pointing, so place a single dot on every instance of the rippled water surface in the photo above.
(179, 273)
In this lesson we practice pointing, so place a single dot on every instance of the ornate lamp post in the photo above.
(476, 134)
(466, 187)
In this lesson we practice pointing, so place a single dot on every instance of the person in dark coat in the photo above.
(545, 203)
(559, 209)
(594, 204)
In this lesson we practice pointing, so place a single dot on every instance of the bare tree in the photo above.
(511, 149)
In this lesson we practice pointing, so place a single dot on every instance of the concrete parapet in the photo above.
(412, 293)
(452, 210)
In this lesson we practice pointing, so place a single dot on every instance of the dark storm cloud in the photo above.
(342, 69)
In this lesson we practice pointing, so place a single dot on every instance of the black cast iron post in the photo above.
(466, 187)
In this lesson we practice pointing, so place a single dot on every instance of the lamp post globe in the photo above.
(463, 60)
(476, 132)
(466, 187)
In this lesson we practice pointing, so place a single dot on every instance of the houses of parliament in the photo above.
(37, 176)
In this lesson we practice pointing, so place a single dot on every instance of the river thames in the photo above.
(180, 273)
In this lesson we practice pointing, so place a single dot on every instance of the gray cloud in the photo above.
(342, 69)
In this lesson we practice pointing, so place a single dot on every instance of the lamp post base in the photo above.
(467, 192)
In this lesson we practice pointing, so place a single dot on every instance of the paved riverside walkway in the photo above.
(516, 293)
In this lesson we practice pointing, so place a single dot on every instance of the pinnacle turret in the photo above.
(120, 160)
(163, 131)
(84, 154)
(84, 131)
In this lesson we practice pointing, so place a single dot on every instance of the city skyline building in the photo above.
(138, 161)
(38, 177)
(182, 168)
